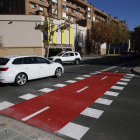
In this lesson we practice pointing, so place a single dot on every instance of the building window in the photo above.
(41, 0)
(1, 4)
(54, 2)
(10, 9)
(32, 6)
(72, 10)
(64, 6)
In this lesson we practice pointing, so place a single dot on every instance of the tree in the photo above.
(1, 44)
(100, 33)
(47, 28)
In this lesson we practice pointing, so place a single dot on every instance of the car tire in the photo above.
(58, 72)
(58, 61)
(77, 61)
(21, 79)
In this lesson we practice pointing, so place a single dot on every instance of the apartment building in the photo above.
(79, 11)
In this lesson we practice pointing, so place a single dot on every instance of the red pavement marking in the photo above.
(65, 103)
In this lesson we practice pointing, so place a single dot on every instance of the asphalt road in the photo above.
(111, 113)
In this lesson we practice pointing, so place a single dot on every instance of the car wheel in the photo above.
(58, 72)
(58, 61)
(77, 61)
(21, 79)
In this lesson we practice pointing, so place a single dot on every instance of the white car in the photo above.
(19, 69)
(66, 57)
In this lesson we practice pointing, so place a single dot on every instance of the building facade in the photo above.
(79, 11)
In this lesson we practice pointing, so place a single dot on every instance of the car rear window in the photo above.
(4, 61)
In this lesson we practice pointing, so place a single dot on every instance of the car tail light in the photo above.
(4, 69)
(128, 54)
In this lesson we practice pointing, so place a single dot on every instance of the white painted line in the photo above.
(5, 104)
(103, 101)
(87, 75)
(71, 81)
(122, 83)
(34, 114)
(130, 75)
(124, 68)
(117, 87)
(73, 130)
(115, 71)
(93, 73)
(104, 78)
(27, 96)
(125, 79)
(79, 78)
(97, 71)
(46, 90)
(59, 85)
(111, 93)
(94, 113)
(82, 89)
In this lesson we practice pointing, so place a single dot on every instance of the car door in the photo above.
(46, 68)
(31, 67)
(66, 57)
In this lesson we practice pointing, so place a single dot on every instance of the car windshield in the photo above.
(3, 61)
(60, 54)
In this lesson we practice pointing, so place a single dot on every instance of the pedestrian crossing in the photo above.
(75, 130)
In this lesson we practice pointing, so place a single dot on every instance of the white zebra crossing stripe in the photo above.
(122, 83)
(79, 78)
(127, 77)
(46, 90)
(130, 75)
(27, 96)
(87, 75)
(71, 81)
(117, 87)
(103, 101)
(5, 104)
(123, 79)
(94, 113)
(111, 93)
(59, 85)
(73, 130)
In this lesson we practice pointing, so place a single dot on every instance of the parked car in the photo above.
(66, 57)
(135, 54)
(126, 55)
(20, 69)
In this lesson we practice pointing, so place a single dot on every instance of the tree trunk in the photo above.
(114, 49)
(108, 49)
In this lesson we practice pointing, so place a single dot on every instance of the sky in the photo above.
(128, 10)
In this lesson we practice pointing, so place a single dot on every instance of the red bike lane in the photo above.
(52, 111)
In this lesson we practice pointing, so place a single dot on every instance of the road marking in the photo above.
(34, 114)
(117, 87)
(130, 75)
(111, 93)
(79, 78)
(82, 89)
(93, 73)
(27, 96)
(87, 75)
(124, 68)
(115, 71)
(104, 78)
(71, 81)
(5, 104)
(94, 113)
(103, 101)
(59, 85)
(125, 79)
(122, 83)
(46, 90)
(73, 130)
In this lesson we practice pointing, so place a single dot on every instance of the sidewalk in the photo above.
(136, 70)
